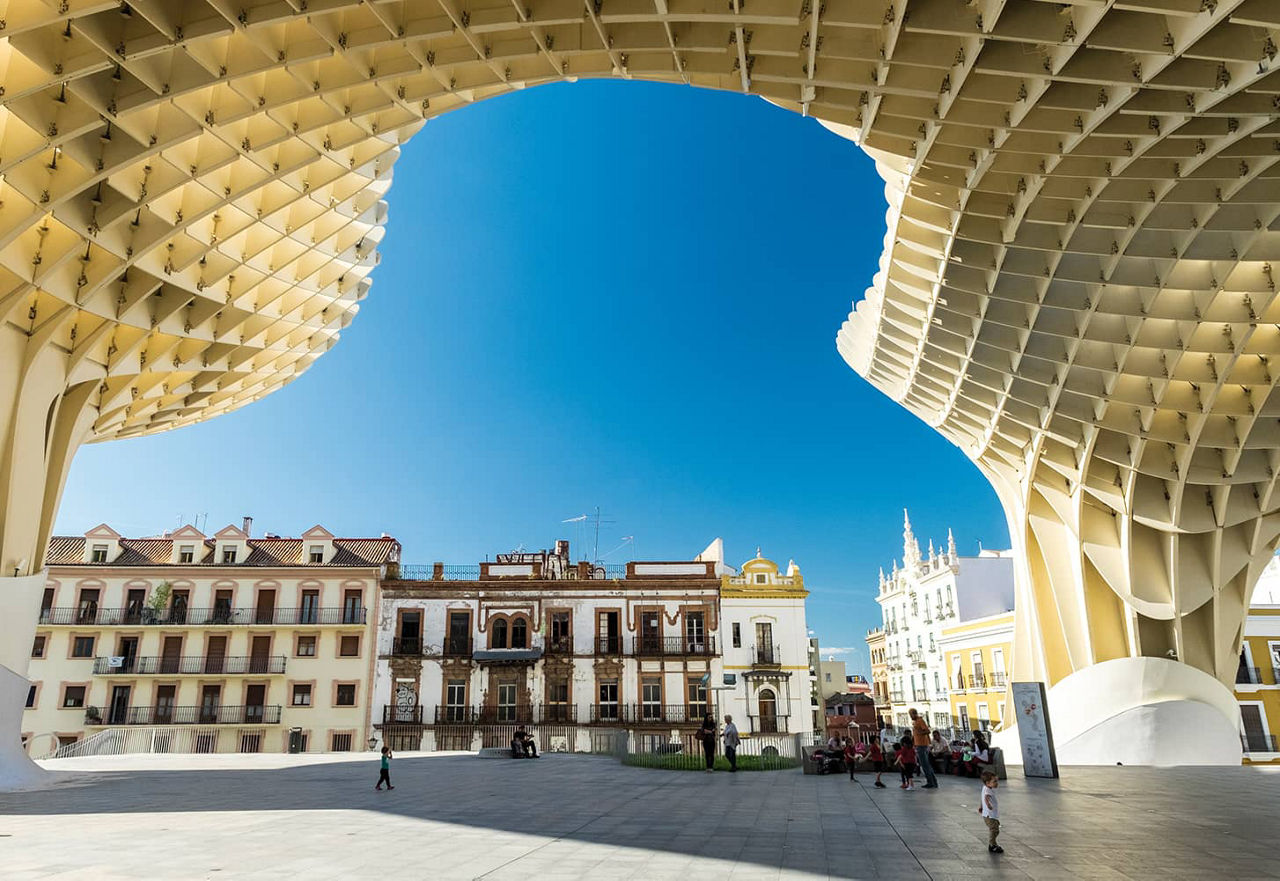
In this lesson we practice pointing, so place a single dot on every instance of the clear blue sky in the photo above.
(602, 293)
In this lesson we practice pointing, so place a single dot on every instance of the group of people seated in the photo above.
(964, 758)
(522, 745)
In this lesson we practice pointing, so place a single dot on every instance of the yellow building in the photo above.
(978, 656)
(1258, 678)
(195, 643)
(879, 670)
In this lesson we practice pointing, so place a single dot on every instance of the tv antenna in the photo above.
(588, 518)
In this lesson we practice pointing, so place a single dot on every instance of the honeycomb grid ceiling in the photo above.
(1076, 288)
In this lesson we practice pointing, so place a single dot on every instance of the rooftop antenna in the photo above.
(583, 518)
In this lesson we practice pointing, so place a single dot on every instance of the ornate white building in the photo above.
(921, 597)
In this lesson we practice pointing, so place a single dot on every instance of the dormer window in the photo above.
(187, 554)
(316, 553)
(99, 554)
(228, 554)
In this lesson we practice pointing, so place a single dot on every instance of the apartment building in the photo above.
(920, 598)
(222, 643)
(979, 654)
(1257, 687)
(879, 671)
(575, 650)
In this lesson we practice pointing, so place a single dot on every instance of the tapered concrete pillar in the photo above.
(19, 610)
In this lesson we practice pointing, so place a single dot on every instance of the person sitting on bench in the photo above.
(522, 745)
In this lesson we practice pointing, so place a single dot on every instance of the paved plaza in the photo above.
(453, 816)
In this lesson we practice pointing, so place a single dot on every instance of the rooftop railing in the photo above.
(181, 616)
(193, 664)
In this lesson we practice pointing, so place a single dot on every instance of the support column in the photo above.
(19, 610)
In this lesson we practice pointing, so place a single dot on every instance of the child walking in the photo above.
(907, 762)
(384, 775)
(876, 756)
(990, 811)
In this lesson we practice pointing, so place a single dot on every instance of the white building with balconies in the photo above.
(917, 600)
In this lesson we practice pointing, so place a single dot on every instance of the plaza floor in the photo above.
(570, 817)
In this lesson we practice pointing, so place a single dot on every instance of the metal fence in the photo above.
(684, 752)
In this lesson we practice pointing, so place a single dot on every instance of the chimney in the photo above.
(248, 526)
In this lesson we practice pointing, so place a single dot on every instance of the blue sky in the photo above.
(600, 293)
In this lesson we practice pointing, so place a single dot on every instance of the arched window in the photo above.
(519, 633)
(498, 635)
(768, 711)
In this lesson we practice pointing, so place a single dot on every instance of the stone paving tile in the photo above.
(219, 818)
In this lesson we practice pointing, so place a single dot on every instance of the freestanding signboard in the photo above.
(1034, 733)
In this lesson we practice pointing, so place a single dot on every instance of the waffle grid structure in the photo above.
(1077, 284)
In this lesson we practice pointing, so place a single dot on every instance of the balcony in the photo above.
(456, 647)
(559, 646)
(768, 724)
(997, 680)
(409, 646)
(218, 616)
(1248, 676)
(978, 680)
(1258, 743)
(608, 645)
(766, 656)
(168, 715)
(234, 665)
(402, 715)
(458, 715)
(675, 646)
(647, 714)
(895, 697)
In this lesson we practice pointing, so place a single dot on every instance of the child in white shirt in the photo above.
(990, 811)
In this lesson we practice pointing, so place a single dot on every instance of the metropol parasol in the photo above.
(1077, 286)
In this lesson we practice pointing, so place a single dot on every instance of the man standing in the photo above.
(920, 739)
(731, 741)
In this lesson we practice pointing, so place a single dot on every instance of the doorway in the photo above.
(260, 654)
(118, 712)
(768, 711)
(255, 696)
(266, 608)
(171, 654)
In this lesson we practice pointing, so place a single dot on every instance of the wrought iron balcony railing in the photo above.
(766, 655)
(767, 724)
(519, 713)
(997, 680)
(978, 680)
(647, 714)
(609, 645)
(194, 664)
(223, 714)
(648, 647)
(218, 616)
(402, 715)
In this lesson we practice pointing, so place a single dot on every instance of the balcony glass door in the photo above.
(651, 700)
(178, 607)
(210, 701)
(352, 603)
(607, 633)
(215, 660)
(266, 610)
(607, 708)
(118, 712)
(310, 610)
(764, 643)
(171, 654)
(259, 654)
(128, 654)
(506, 702)
(695, 633)
(87, 612)
(255, 696)
(410, 639)
(459, 634)
(135, 602)
(222, 607)
(455, 701)
(651, 632)
(164, 704)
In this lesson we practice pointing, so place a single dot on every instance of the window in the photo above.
(737, 636)
(228, 555)
(346, 695)
(251, 742)
(306, 647)
(828, 677)
(519, 633)
(761, 578)
(302, 695)
(187, 554)
(31, 696)
(82, 647)
(315, 554)
(99, 554)
(608, 706)
(455, 700)
(506, 701)
(558, 701)
(697, 697)
(341, 742)
(498, 636)
(651, 698)
(695, 631)
(561, 636)
(73, 696)
(37, 647)
(349, 647)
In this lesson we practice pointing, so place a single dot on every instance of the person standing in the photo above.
(907, 763)
(876, 756)
(707, 734)
(384, 774)
(920, 739)
(990, 811)
(731, 741)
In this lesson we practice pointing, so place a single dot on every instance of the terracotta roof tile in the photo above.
(348, 552)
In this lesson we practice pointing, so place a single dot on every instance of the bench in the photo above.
(494, 752)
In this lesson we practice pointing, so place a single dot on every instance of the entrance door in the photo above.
(128, 651)
(260, 654)
(118, 712)
(768, 712)
(164, 704)
(215, 660)
(210, 702)
(651, 632)
(171, 654)
(266, 610)
(766, 652)
(254, 698)
(459, 640)
(409, 642)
